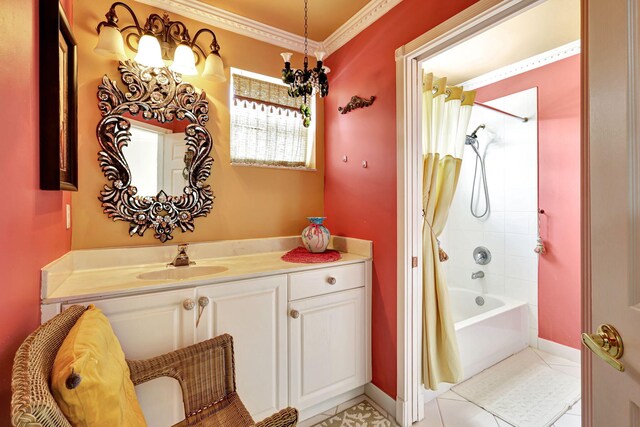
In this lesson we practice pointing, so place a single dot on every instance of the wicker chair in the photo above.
(209, 400)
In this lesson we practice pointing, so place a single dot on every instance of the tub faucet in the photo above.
(182, 259)
(477, 275)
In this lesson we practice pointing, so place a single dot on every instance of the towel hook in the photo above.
(540, 249)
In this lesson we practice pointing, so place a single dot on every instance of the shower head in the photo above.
(473, 138)
(475, 132)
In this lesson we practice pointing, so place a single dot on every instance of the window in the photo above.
(266, 124)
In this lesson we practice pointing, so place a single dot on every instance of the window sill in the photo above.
(292, 168)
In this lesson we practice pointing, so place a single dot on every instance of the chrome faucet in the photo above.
(477, 275)
(182, 259)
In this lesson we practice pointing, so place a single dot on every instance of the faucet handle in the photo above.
(182, 258)
(481, 255)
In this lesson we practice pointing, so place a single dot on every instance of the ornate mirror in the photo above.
(154, 150)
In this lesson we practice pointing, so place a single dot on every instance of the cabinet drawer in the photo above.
(325, 280)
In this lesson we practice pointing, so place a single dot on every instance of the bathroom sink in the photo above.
(181, 273)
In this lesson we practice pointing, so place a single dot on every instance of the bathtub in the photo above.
(486, 333)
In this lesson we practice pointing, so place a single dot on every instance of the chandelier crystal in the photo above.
(305, 82)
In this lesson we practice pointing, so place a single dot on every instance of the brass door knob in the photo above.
(188, 304)
(606, 343)
(331, 280)
(294, 313)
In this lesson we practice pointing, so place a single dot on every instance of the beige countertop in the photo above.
(65, 282)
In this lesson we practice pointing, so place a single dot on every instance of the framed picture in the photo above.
(58, 100)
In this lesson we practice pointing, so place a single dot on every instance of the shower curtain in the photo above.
(445, 116)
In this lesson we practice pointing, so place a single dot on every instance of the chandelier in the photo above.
(305, 82)
(161, 42)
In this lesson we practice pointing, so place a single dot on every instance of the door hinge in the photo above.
(414, 262)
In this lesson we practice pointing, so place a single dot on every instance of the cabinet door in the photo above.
(327, 346)
(254, 313)
(147, 326)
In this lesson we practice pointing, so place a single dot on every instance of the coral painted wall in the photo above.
(250, 202)
(558, 192)
(32, 222)
(361, 202)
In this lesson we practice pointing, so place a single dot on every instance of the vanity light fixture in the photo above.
(161, 42)
(305, 82)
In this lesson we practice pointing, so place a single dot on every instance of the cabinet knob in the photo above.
(331, 280)
(294, 313)
(188, 304)
(203, 302)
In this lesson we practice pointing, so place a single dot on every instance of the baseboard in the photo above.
(559, 350)
(403, 416)
(383, 400)
(330, 403)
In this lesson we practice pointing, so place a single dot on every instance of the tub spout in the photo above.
(477, 275)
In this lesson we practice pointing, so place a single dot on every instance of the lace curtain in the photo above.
(266, 125)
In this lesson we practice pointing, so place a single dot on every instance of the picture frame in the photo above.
(58, 100)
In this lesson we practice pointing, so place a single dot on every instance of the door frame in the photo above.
(585, 216)
(466, 24)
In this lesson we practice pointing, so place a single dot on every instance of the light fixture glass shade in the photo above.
(320, 55)
(184, 62)
(214, 68)
(110, 43)
(149, 53)
(286, 56)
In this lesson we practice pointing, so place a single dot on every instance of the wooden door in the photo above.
(147, 326)
(613, 226)
(254, 313)
(327, 342)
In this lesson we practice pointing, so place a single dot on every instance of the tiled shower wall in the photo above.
(510, 150)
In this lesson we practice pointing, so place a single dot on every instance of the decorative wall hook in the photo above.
(356, 102)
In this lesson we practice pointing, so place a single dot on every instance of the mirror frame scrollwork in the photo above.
(160, 94)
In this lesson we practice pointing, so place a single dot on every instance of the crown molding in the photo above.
(225, 20)
(523, 66)
(366, 16)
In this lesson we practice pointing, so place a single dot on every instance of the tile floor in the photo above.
(326, 414)
(452, 410)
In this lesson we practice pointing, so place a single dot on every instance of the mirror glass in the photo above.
(158, 158)
(154, 151)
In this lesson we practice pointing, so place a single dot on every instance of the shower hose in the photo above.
(483, 187)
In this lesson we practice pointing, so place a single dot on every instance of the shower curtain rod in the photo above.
(524, 119)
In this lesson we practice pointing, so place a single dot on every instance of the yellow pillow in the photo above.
(90, 380)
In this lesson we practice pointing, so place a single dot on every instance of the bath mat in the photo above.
(522, 390)
(360, 415)
(302, 255)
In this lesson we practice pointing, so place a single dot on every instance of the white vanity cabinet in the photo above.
(254, 313)
(150, 325)
(301, 332)
(328, 334)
